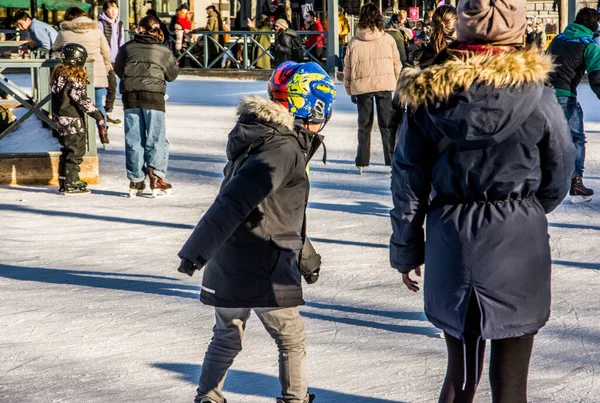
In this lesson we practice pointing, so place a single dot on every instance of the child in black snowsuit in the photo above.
(70, 103)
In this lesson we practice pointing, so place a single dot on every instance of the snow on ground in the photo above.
(31, 137)
(93, 310)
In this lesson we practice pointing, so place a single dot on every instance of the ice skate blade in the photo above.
(581, 199)
(77, 192)
(161, 193)
(135, 193)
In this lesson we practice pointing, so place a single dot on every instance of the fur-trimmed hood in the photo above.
(258, 117)
(477, 100)
(439, 82)
(79, 25)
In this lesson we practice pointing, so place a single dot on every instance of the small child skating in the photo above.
(70, 104)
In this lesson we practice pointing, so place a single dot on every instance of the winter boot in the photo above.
(136, 188)
(158, 185)
(310, 398)
(579, 193)
(76, 187)
(103, 133)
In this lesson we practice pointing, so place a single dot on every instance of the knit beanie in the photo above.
(282, 23)
(498, 22)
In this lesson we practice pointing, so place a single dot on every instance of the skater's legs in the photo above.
(465, 359)
(509, 367)
(224, 347)
(574, 115)
(135, 142)
(383, 102)
(460, 384)
(72, 152)
(365, 124)
(156, 153)
(99, 93)
(286, 327)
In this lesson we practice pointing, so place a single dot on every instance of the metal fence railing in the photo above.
(206, 52)
(39, 102)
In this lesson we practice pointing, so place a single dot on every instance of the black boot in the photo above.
(579, 193)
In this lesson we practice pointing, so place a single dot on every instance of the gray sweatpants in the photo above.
(285, 326)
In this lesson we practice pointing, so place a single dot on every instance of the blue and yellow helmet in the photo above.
(305, 89)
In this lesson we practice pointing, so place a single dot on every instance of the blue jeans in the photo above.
(99, 93)
(146, 143)
(574, 116)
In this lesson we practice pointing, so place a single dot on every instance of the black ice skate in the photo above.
(136, 188)
(579, 193)
(77, 187)
(158, 185)
(103, 133)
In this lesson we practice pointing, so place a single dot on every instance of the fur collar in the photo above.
(265, 110)
(439, 82)
(79, 25)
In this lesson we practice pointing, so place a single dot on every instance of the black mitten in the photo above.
(187, 267)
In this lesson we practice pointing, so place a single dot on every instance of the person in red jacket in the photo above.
(183, 26)
(314, 24)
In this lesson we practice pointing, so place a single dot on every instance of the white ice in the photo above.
(93, 310)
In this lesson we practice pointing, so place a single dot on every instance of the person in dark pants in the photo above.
(485, 137)
(574, 52)
(112, 28)
(70, 104)
(371, 69)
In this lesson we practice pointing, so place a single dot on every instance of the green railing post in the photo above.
(204, 37)
(245, 65)
(91, 123)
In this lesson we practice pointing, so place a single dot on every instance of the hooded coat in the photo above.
(372, 63)
(252, 235)
(489, 143)
(85, 32)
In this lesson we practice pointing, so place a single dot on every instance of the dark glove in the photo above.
(310, 266)
(354, 99)
(187, 267)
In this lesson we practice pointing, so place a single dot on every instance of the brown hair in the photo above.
(74, 12)
(443, 25)
(370, 18)
(151, 26)
(71, 72)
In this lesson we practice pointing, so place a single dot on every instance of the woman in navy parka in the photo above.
(484, 153)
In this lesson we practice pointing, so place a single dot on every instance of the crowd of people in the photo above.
(484, 136)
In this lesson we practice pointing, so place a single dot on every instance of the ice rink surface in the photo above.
(93, 310)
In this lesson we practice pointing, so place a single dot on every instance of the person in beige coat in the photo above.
(79, 28)
(371, 70)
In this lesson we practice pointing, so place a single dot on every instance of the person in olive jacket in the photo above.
(485, 139)
(253, 237)
(144, 66)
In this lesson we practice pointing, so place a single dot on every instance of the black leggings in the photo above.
(509, 366)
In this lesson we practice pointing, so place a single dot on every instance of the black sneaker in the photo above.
(113, 121)
(310, 398)
(579, 193)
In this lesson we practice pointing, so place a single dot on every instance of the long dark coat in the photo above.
(489, 141)
(252, 236)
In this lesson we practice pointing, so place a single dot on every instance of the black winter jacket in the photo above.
(284, 45)
(251, 236)
(144, 66)
(489, 142)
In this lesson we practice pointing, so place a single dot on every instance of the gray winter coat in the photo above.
(490, 140)
(252, 235)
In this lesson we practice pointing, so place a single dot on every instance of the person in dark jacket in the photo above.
(574, 52)
(252, 236)
(486, 140)
(283, 47)
(144, 66)
(70, 104)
